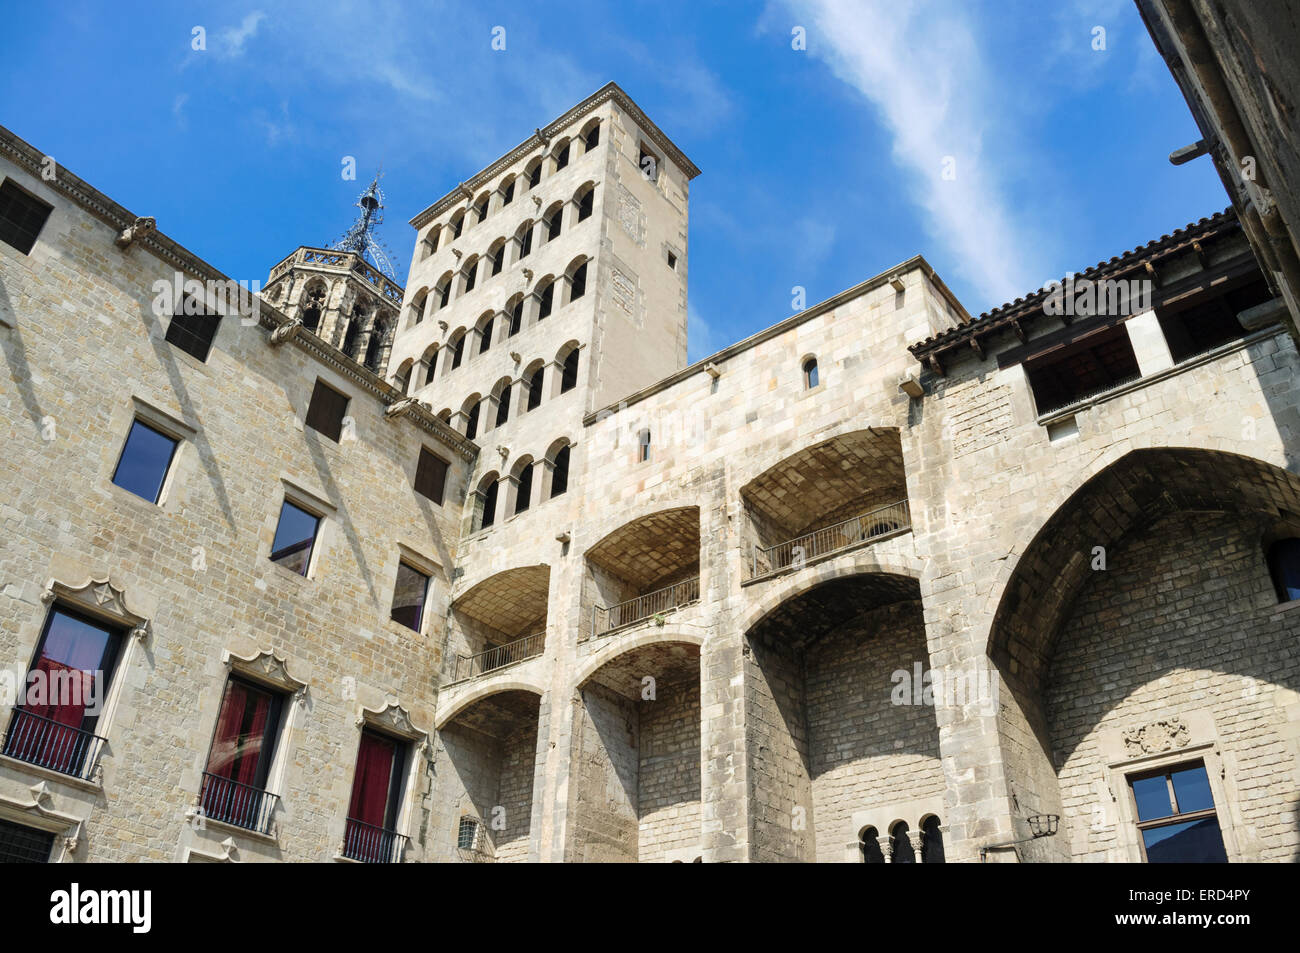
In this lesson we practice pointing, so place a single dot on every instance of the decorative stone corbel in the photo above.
(137, 230)
(285, 332)
(528, 274)
(504, 451)
(515, 356)
(537, 200)
(443, 326)
(101, 597)
(403, 407)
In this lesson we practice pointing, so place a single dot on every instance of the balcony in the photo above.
(607, 619)
(499, 656)
(875, 524)
(369, 844)
(232, 802)
(53, 745)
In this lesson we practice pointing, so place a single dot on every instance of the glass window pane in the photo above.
(409, 595)
(294, 537)
(1192, 789)
(1193, 842)
(144, 463)
(1152, 796)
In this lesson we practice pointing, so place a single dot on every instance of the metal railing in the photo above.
(606, 619)
(371, 844)
(472, 666)
(873, 524)
(233, 802)
(51, 744)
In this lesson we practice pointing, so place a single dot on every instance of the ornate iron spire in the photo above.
(360, 238)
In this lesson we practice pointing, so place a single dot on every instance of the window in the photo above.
(467, 834)
(349, 345)
(326, 411)
(503, 406)
(871, 852)
(481, 209)
(471, 274)
(508, 193)
(417, 308)
(239, 761)
(586, 203)
(534, 173)
(525, 236)
(458, 351)
(553, 223)
(649, 164)
(485, 336)
(1284, 565)
(314, 304)
(516, 317)
(371, 835)
(145, 460)
(592, 138)
(24, 845)
(66, 687)
(497, 258)
(562, 157)
(375, 347)
(444, 293)
(545, 301)
(1086, 367)
(672, 261)
(457, 225)
(901, 845)
(471, 424)
(1177, 822)
(1208, 324)
(810, 378)
(535, 388)
(560, 472)
(569, 373)
(409, 594)
(643, 446)
(22, 216)
(489, 504)
(295, 535)
(931, 841)
(431, 476)
(578, 283)
(192, 329)
(524, 493)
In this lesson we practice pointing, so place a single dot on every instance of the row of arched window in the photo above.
(903, 845)
(562, 152)
(477, 269)
(521, 311)
(529, 482)
(363, 334)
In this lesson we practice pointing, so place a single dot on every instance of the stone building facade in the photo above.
(882, 582)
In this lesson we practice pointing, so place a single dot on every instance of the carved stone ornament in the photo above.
(267, 666)
(286, 332)
(134, 232)
(101, 597)
(394, 718)
(1157, 737)
(406, 404)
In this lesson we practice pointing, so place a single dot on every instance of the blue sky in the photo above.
(821, 167)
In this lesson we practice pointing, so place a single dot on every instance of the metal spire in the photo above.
(360, 238)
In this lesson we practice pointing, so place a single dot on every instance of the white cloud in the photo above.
(701, 341)
(230, 41)
(920, 66)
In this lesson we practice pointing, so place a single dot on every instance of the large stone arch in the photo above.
(1181, 621)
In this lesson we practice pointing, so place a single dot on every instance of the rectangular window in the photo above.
(295, 535)
(649, 164)
(1084, 368)
(66, 689)
(146, 458)
(24, 845)
(408, 596)
(193, 330)
(326, 411)
(239, 762)
(373, 811)
(431, 476)
(467, 834)
(22, 216)
(1177, 822)
(1209, 323)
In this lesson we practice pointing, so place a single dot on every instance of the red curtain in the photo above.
(370, 786)
(236, 756)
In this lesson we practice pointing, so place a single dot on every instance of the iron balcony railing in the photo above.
(233, 802)
(51, 744)
(472, 666)
(607, 619)
(873, 524)
(371, 844)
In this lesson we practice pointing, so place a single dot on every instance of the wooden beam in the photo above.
(976, 346)
(1020, 331)
(935, 364)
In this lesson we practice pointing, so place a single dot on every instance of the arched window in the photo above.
(430, 362)
(560, 472)
(578, 282)
(487, 491)
(430, 243)
(471, 420)
(870, 842)
(524, 238)
(643, 445)
(481, 207)
(507, 191)
(402, 379)
(349, 345)
(810, 378)
(457, 346)
(471, 273)
(569, 374)
(485, 335)
(503, 405)
(443, 290)
(562, 156)
(545, 301)
(591, 137)
(533, 173)
(901, 845)
(416, 312)
(553, 220)
(932, 841)
(524, 491)
(313, 307)
(586, 202)
(516, 317)
(497, 255)
(457, 225)
(535, 387)
(1284, 564)
(375, 346)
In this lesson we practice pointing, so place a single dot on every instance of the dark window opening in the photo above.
(900, 843)
(517, 318)
(481, 210)
(467, 834)
(431, 476)
(444, 295)
(810, 373)
(508, 193)
(560, 472)
(373, 811)
(498, 257)
(535, 388)
(22, 216)
(24, 845)
(485, 336)
(524, 493)
(871, 852)
(503, 406)
(1209, 324)
(1085, 368)
(489, 505)
(457, 226)
(145, 460)
(1284, 565)
(409, 594)
(643, 446)
(375, 348)
(593, 138)
(295, 535)
(471, 425)
(649, 164)
(586, 204)
(931, 841)
(545, 301)
(672, 261)
(239, 761)
(569, 375)
(350, 338)
(326, 411)
(471, 276)
(534, 175)
(578, 283)
(458, 351)
(553, 225)
(562, 158)
(526, 242)
(193, 333)
(1176, 816)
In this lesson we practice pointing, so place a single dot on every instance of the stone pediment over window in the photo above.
(395, 719)
(268, 667)
(102, 598)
